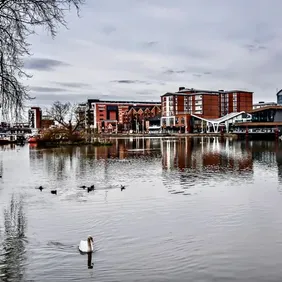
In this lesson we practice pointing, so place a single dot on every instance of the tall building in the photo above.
(34, 117)
(177, 107)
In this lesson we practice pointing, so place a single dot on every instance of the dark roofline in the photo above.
(212, 91)
(265, 108)
(187, 94)
(123, 102)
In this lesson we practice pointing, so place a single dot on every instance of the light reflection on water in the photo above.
(197, 209)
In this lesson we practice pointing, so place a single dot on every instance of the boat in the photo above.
(7, 138)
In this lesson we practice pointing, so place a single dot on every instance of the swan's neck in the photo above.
(89, 245)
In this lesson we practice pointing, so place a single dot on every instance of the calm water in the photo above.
(193, 210)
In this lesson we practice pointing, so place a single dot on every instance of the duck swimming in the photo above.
(91, 188)
(122, 187)
(86, 246)
(54, 192)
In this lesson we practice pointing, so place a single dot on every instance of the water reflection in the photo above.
(12, 258)
(89, 260)
(57, 163)
(231, 208)
(188, 162)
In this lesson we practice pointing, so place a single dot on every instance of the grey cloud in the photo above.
(201, 74)
(108, 29)
(128, 81)
(151, 43)
(43, 64)
(46, 100)
(170, 71)
(254, 47)
(47, 89)
(73, 84)
(215, 51)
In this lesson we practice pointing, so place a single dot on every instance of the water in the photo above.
(193, 210)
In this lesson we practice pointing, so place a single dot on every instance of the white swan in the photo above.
(86, 246)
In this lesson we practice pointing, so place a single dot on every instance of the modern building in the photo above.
(279, 97)
(109, 115)
(34, 117)
(181, 108)
(265, 121)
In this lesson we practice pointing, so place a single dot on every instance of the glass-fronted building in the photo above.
(279, 97)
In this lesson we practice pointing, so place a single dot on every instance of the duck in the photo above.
(83, 186)
(122, 187)
(91, 188)
(54, 192)
(40, 188)
(86, 246)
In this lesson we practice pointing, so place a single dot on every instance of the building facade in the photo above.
(118, 115)
(34, 117)
(177, 107)
(266, 122)
(279, 97)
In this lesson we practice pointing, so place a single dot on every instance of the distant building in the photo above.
(47, 121)
(108, 115)
(34, 117)
(264, 120)
(178, 107)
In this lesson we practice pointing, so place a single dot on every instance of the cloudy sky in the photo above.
(140, 49)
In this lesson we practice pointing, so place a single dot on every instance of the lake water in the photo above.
(193, 210)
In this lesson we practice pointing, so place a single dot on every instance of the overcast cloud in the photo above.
(140, 49)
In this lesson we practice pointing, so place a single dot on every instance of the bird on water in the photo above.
(86, 246)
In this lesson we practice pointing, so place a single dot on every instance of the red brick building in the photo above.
(34, 117)
(119, 115)
(177, 107)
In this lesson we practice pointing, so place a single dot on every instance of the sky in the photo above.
(141, 49)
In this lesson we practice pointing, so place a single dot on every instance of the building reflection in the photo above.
(188, 162)
(202, 153)
(12, 259)
(76, 161)
(279, 164)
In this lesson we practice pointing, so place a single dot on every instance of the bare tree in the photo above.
(18, 20)
(67, 116)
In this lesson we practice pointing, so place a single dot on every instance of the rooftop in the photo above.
(221, 119)
(189, 94)
(276, 107)
(212, 91)
(123, 102)
(261, 103)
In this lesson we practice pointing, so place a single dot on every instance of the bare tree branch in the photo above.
(67, 116)
(18, 20)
